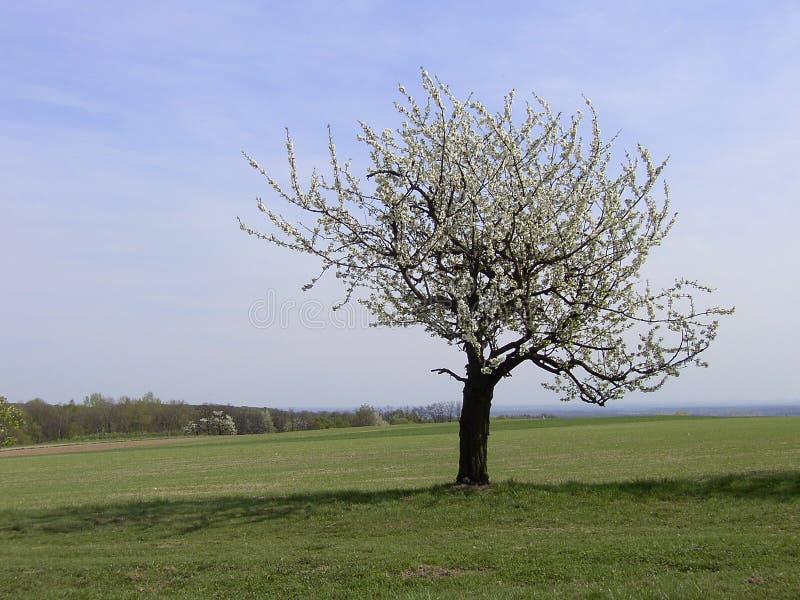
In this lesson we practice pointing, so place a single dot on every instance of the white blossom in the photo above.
(514, 239)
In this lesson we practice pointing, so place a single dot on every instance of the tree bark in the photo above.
(474, 430)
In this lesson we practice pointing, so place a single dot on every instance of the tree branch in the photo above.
(449, 372)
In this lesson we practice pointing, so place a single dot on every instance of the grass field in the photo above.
(644, 507)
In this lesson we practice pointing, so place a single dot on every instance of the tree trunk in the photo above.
(474, 430)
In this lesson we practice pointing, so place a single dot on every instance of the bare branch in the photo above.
(449, 372)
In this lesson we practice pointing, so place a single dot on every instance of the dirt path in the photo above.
(90, 446)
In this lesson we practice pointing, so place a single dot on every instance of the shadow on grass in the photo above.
(169, 517)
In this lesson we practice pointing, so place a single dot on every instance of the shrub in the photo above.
(11, 420)
(367, 416)
(217, 424)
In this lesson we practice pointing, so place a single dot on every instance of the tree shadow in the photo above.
(774, 485)
(169, 517)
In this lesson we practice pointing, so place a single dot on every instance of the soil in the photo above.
(89, 446)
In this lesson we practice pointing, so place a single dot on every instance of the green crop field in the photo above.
(650, 507)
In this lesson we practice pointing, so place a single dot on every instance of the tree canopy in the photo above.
(10, 418)
(511, 237)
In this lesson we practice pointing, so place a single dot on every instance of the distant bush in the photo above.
(252, 420)
(217, 424)
(400, 416)
(323, 422)
(10, 420)
(366, 416)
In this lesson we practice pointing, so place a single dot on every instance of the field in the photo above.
(643, 507)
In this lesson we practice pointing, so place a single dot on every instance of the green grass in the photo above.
(656, 507)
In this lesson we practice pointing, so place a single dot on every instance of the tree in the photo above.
(513, 239)
(10, 418)
(251, 420)
(47, 422)
(367, 416)
(217, 424)
(98, 414)
(269, 426)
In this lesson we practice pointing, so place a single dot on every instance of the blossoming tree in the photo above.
(510, 238)
(10, 418)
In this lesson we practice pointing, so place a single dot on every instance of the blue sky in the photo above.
(121, 125)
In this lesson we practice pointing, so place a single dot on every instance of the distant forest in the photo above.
(101, 417)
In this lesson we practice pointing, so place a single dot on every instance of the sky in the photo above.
(123, 269)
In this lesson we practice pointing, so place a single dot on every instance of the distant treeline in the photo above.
(98, 417)
(299, 420)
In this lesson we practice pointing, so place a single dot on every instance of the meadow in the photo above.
(634, 507)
